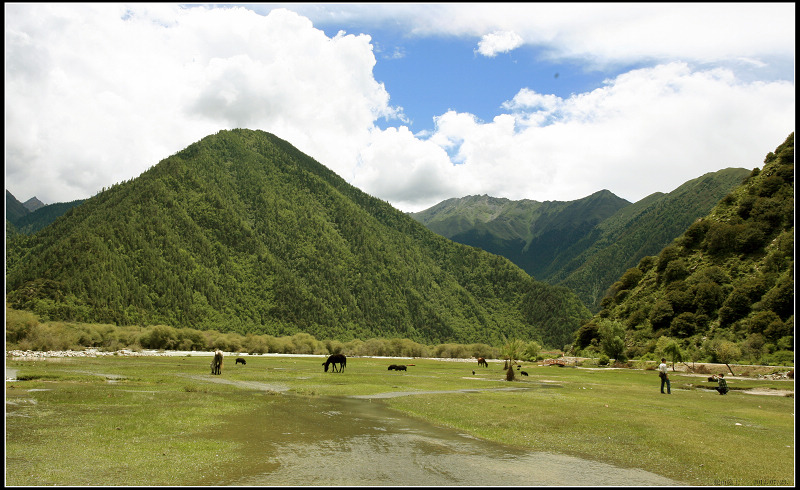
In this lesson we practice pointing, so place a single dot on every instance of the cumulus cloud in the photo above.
(597, 33)
(645, 131)
(498, 42)
(96, 94)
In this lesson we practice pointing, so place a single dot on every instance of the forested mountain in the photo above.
(39, 215)
(242, 232)
(14, 209)
(585, 244)
(727, 280)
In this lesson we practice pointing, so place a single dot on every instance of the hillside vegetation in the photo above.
(723, 290)
(241, 232)
(584, 244)
(29, 222)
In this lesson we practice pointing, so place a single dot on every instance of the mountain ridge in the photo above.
(561, 242)
(723, 289)
(242, 232)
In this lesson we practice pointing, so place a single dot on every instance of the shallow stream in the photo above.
(349, 441)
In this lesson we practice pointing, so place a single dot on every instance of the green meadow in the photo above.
(152, 420)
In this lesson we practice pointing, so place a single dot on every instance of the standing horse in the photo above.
(216, 363)
(482, 362)
(335, 359)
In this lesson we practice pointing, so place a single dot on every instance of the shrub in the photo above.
(256, 344)
(676, 270)
(694, 235)
(780, 358)
(661, 314)
(603, 361)
(683, 325)
(19, 324)
(159, 337)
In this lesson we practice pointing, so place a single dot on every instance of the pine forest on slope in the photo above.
(584, 244)
(242, 232)
(722, 290)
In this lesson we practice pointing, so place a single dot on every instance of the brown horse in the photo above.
(216, 363)
(482, 362)
(335, 359)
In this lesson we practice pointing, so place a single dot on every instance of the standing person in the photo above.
(662, 373)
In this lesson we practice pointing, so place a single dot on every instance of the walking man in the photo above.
(662, 373)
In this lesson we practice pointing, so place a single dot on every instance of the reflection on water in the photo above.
(346, 441)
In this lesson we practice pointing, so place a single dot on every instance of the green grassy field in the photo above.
(150, 420)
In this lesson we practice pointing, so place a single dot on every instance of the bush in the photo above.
(780, 358)
(676, 270)
(19, 324)
(603, 361)
(159, 337)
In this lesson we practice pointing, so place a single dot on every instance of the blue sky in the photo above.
(455, 78)
(430, 75)
(412, 103)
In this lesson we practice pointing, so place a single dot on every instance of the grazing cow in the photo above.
(397, 367)
(523, 373)
(392, 367)
(335, 359)
(239, 360)
(482, 362)
(216, 363)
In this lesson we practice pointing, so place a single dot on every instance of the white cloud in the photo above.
(499, 42)
(96, 94)
(645, 131)
(599, 33)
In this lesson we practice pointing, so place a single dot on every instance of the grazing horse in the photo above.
(523, 373)
(239, 360)
(216, 363)
(482, 362)
(335, 359)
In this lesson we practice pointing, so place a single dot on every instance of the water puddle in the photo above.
(336, 441)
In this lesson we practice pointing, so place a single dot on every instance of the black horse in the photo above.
(335, 359)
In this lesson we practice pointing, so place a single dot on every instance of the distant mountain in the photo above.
(242, 232)
(14, 208)
(33, 204)
(32, 216)
(36, 220)
(585, 244)
(728, 277)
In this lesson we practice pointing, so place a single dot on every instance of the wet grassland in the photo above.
(167, 421)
